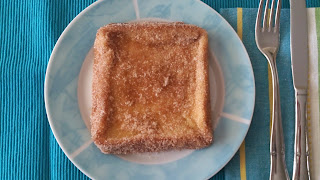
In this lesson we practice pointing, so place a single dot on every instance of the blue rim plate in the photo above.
(67, 60)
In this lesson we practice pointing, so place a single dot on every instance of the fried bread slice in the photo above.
(150, 88)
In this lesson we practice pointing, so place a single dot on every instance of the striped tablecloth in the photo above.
(252, 159)
(29, 30)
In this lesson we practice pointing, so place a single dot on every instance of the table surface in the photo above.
(33, 27)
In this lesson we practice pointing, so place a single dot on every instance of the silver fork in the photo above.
(267, 39)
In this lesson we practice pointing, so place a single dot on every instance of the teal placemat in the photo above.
(29, 30)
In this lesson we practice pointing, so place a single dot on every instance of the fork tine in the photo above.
(265, 17)
(277, 20)
(272, 14)
(258, 20)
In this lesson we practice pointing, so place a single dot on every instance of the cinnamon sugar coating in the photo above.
(150, 88)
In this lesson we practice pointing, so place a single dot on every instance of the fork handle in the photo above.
(301, 154)
(278, 169)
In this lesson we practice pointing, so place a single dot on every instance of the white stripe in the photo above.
(136, 8)
(313, 98)
(235, 118)
(80, 149)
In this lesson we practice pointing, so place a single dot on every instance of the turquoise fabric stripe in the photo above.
(257, 145)
(23, 119)
(232, 169)
(29, 30)
(257, 140)
(219, 176)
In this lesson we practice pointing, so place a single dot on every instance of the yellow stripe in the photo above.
(243, 173)
(242, 149)
(239, 22)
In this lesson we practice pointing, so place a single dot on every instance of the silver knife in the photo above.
(299, 61)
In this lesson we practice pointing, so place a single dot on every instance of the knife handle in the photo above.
(301, 153)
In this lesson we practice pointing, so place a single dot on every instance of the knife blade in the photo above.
(299, 61)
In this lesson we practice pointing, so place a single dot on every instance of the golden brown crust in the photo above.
(150, 88)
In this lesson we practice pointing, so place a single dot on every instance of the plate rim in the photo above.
(253, 79)
(79, 16)
(46, 90)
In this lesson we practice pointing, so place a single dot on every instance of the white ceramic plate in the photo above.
(68, 83)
